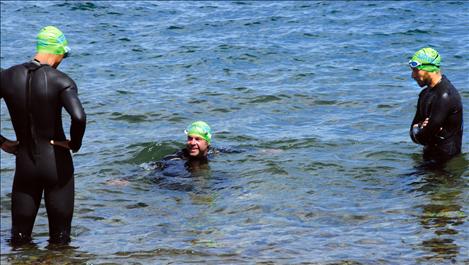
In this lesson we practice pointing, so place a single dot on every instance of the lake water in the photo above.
(316, 99)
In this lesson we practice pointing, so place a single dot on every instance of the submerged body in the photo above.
(35, 94)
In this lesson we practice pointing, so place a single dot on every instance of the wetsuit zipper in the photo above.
(33, 149)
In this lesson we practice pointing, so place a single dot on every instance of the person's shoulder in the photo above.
(448, 84)
(13, 68)
(59, 77)
(54, 71)
(446, 89)
(179, 155)
(11, 74)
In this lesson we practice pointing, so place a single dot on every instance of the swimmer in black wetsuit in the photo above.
(194, 156)
(438, 121)
(35, 93)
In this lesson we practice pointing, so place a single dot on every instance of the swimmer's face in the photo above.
(197, 146)
(421, 77)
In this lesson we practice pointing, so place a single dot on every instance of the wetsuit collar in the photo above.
(36, 62)
(33, 65)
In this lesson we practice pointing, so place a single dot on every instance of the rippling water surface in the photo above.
(315, 98)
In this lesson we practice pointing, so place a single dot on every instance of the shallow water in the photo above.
(316, 97)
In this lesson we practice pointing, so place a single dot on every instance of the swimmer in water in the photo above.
(195, 154)
(35, 93)
(438, 121)
(199, 137)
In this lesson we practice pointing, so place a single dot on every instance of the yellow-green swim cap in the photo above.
(201, 129)
(426, 59)
(51, 40)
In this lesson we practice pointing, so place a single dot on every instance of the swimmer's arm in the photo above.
(415, 125)
(8, 146)
(72, 104)
(434, 123)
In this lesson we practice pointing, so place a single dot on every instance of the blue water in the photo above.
(315, 97)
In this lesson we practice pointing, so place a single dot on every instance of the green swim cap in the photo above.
(51, 40)
(426, 59)
(201, 129)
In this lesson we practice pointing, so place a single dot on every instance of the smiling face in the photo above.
(196, 146)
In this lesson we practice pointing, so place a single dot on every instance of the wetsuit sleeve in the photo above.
(417, 118)
(438, 114)
(72, 104)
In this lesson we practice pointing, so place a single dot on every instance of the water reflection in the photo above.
(442, 213)
(193, 177)
(179, 174)
(53, 254)
(182, 174)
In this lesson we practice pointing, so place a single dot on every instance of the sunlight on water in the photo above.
(310, 104)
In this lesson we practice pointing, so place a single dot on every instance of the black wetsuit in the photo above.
(183, 154)
(35, 95)
(442, 105)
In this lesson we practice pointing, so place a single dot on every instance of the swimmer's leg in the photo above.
(25, 201)
(59, 204)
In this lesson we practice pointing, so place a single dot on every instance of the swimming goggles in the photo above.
(67, 52)
(414, 64)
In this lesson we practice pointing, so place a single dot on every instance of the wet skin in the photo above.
(196, 146)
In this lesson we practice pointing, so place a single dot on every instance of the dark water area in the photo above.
(315, 99)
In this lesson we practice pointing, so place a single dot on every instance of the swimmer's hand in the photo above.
(10, 147)
(424, 123)
(421, 125)
(65, 144)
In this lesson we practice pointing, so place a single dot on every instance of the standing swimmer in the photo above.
(438, 121)
(35, 93)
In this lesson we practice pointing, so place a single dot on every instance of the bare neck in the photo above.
(51, 59)
(435, 79)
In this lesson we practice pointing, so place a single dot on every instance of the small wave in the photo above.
(240, 3)
(243, 89)
(115, 13)
(252, 23)
(138, 50)
(138, 118)
(265, 99)
(88, 6)
(175, 27)
(286, 144)
(311, 35)
(414, 32)
(212, 93)
(123, 92)
(225, 47)
(153, 151)
(302, 76)
(224, 110)
(325, 102)
(239, 137)
(137, 205)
